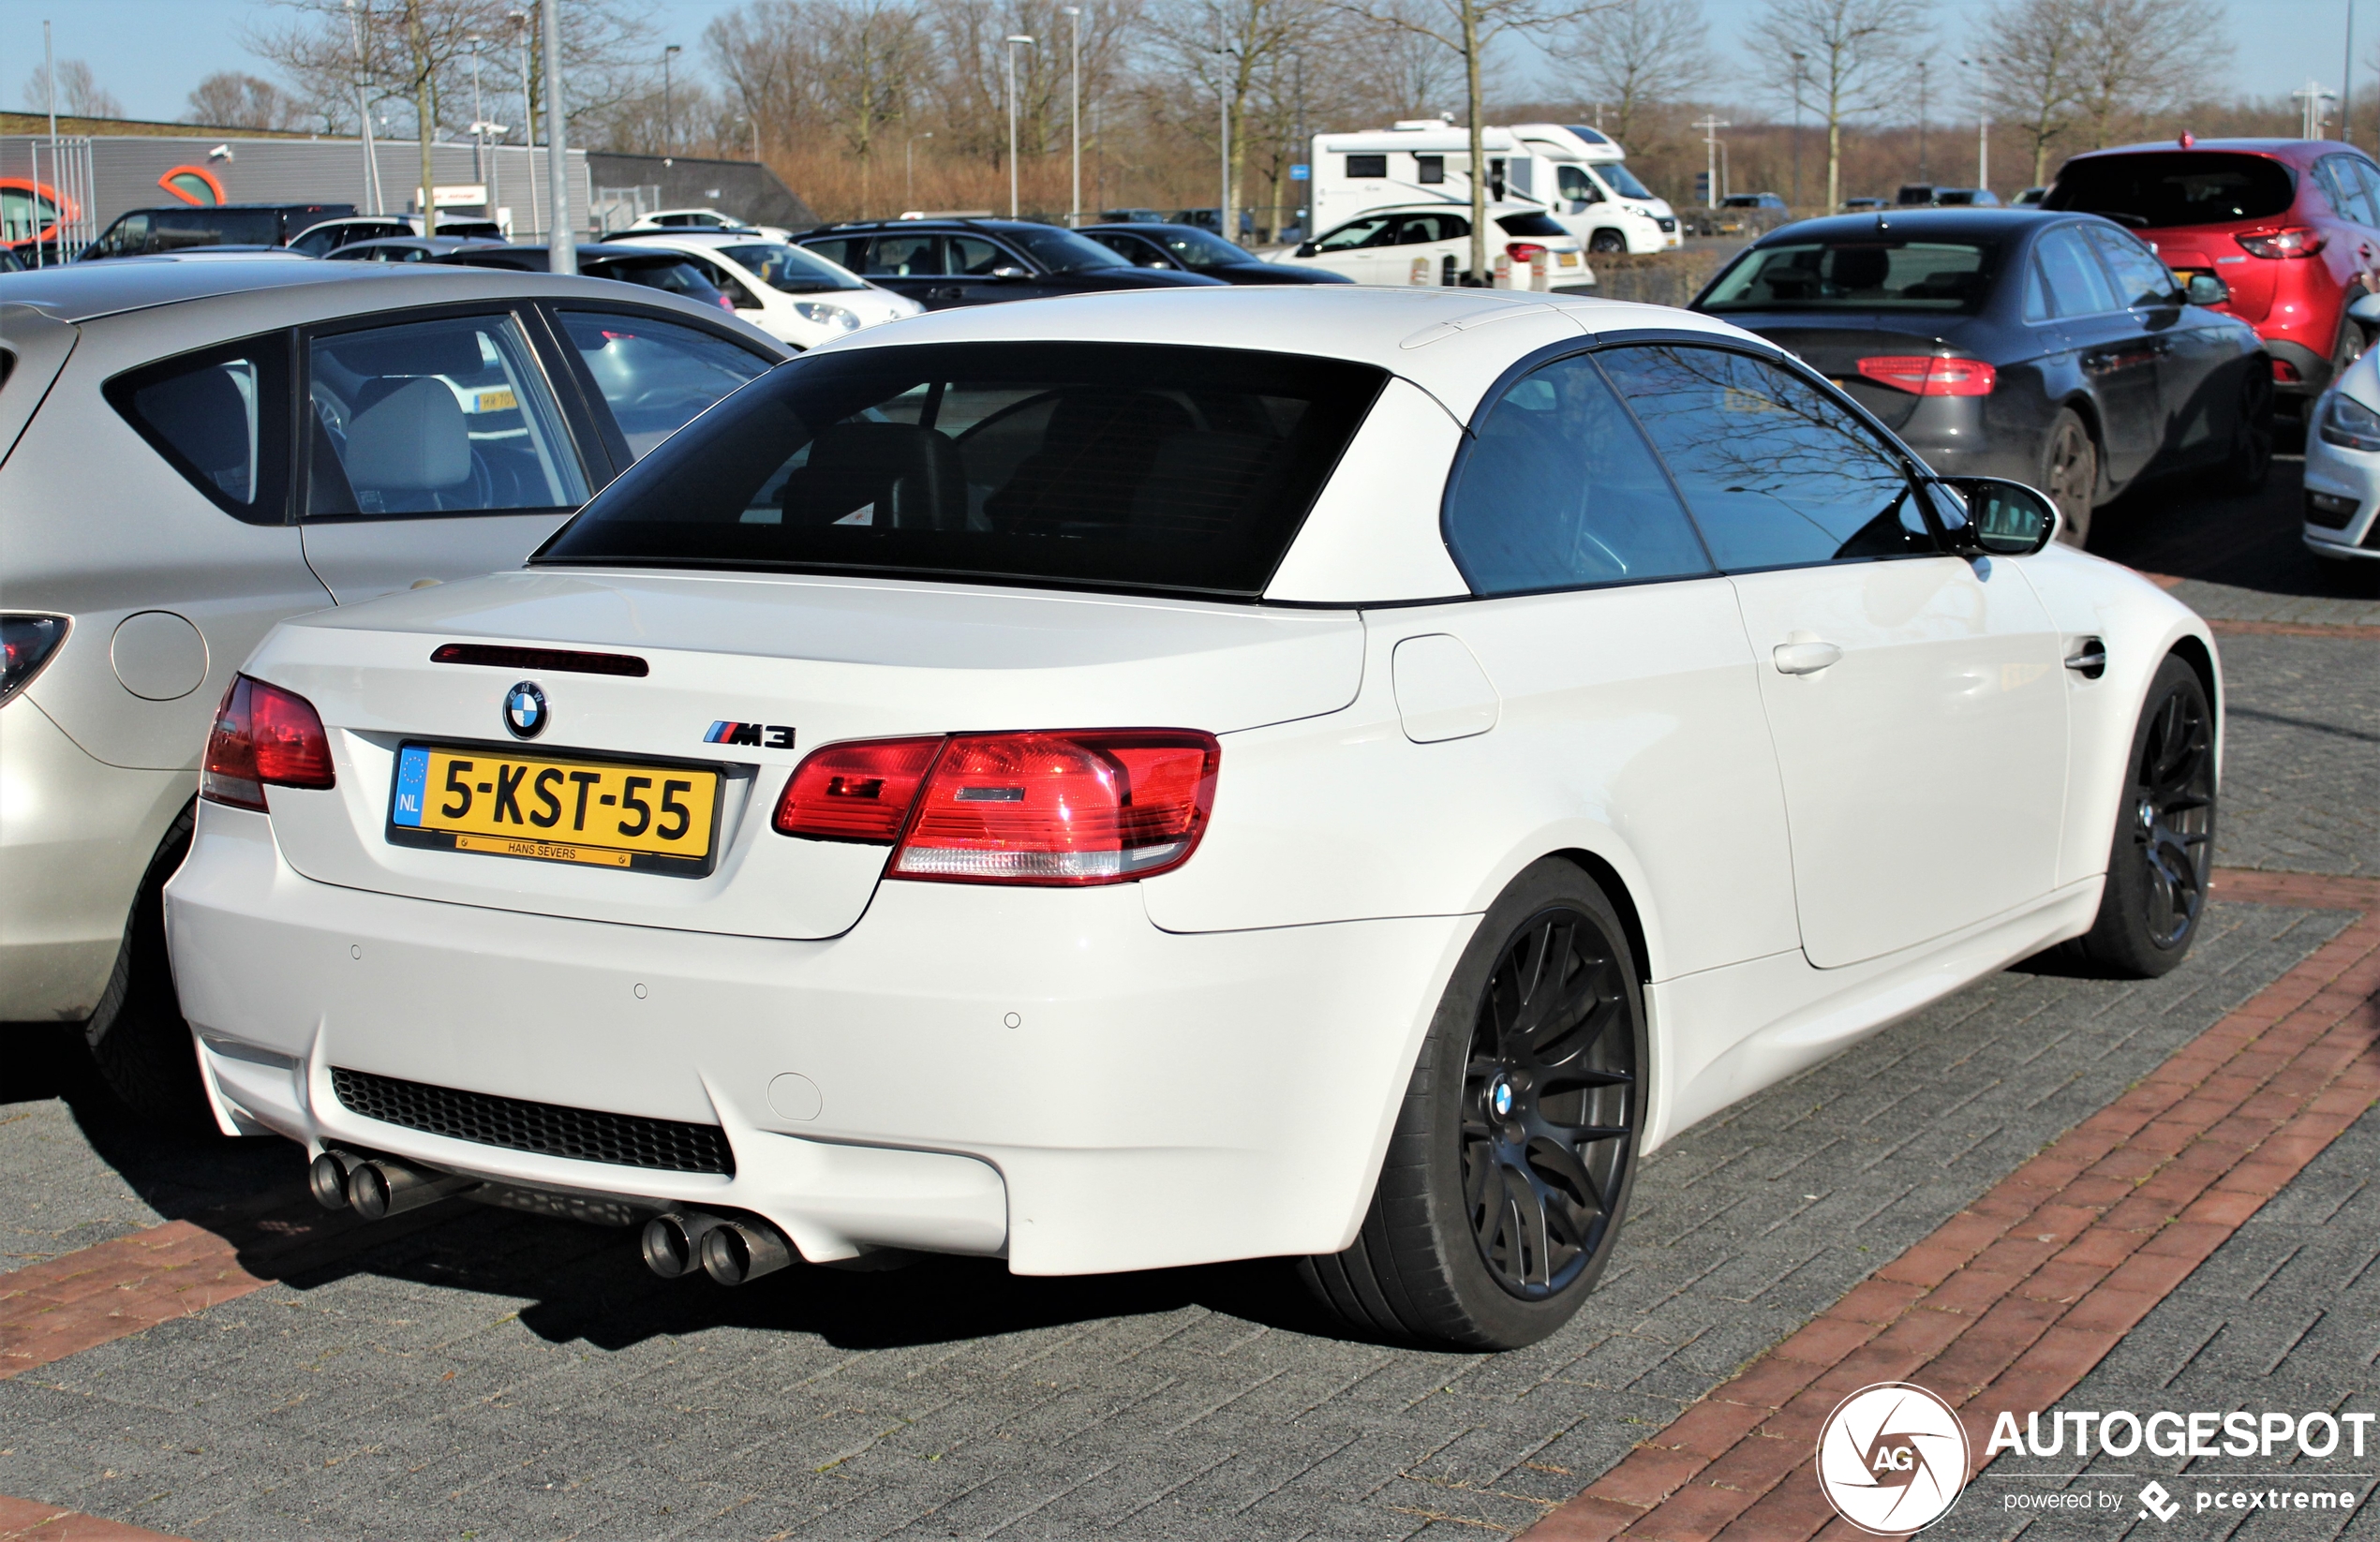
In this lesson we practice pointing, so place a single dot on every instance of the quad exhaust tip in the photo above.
(729, 1251)
(377, 1187)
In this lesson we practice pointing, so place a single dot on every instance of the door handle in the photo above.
(1805, 657)
(2089, 659)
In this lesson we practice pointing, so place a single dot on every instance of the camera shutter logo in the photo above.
(1891, 1458)
(524, 712)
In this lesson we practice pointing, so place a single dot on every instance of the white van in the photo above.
(1583, 184)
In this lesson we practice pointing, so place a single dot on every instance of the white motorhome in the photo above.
(1583, 184)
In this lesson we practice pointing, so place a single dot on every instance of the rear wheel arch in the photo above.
(2192, 650)
(1615, 889)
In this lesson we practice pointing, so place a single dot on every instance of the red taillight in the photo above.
(1524, 251)
(2289, 241)
(1926, 375)
(860, 790)
(262, 734)
(1097, 805)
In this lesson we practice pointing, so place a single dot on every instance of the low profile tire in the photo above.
(2250, 457)
(2070, 475)
(2163, 853)
(1509, 1169)
(1607, 242)
(137, 1038)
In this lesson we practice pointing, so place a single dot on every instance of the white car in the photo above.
(2343, 463)
(1156, 778)
(791, 293)
(686, 221)
(1431, 245)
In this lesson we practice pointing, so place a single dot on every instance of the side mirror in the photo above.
(2205, 289)
(1305, 248)
(1008, 270)
(2003, 518)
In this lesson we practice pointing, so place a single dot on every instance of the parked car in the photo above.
(1062, 667)
(652, 267)
(2342, 461)
(2292, 227)
(202, 447)
(1740, 214)
(406, 249)
(1431, 244)
(1188, 248)
(180, 226)
(793, 295)
(1857, 205)
(2050, 348)
(691, 220)
(324, 239)
(2029, 197)
(944, 262)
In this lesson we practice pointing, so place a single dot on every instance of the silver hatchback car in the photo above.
(190, 451)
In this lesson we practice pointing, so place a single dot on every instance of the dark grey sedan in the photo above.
(1186, 248)
(2049, 348)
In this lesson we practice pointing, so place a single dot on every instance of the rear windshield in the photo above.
(1125, 465)
(176, 229)
(1856, 276)
(1529, 225)
(2160, 188)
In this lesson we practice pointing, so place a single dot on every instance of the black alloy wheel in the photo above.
(2163, 854)
(1609, 243)
(1508, 1172)
(2070, 475)
(2252, 436)
(1548, 1130)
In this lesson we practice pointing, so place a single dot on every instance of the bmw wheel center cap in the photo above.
(525, 711)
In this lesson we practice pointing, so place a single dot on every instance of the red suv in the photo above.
(2292, 227)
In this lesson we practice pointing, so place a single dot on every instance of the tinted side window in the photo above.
(447, 416)
(843, 251)
(1560, 491)
(2037, 308)
(975, 256)
(2336, 176)
(903, 256)
(656, 374)
(2367, 177)
(1777, 472)
(2077, 286)
(221, 418)
(2141, 278)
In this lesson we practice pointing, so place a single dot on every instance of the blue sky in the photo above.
(151, 52)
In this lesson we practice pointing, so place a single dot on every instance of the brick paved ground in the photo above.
(497, 1375)
(2238, 559)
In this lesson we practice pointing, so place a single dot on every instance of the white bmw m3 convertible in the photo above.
(1147, 779)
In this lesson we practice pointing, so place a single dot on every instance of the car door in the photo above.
(1139, 252)
(2342, 181)
(435, 448)
(2117, 360)
(1358, 249)
(909, 263)
(1916, 699)
(2196, 395)
(1445, 243)
(980, 271)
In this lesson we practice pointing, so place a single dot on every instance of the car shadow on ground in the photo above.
(2175, 527)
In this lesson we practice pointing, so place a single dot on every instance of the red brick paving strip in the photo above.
(2337, 630)
(22, 1521)
(2010, 1303)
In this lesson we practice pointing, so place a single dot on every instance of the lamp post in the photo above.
(1983, 122)
(1010, 43)
(669, 112)
(909, 168)
(526, 21)
(561, 247)
(1924, 173)
(364, 109)
(1224, 226)
(1801, 67)
(1074, 117)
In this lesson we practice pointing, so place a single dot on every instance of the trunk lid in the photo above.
(827, 658)
(1835, 351)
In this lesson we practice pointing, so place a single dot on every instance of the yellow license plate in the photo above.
(656, 818)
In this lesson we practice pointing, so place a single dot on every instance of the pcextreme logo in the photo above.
(1891, 1458)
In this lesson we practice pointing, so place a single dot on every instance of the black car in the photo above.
(181, 227)
(1186, 248)
(944, 262)
(404, 248)
(2050, 348)
(654, 267)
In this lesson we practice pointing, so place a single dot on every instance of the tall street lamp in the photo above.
(1924, 173)
(1801, 70)
(561, 242)
(1983, 122)
(669, 113)
(1010, 43)
(1074, 118)
(908, 169)
(528, 22)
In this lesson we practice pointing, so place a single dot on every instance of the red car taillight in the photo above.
(1524, 251)
(1097, 805)
(1924, 374)
(262, 734)
(2290, 240)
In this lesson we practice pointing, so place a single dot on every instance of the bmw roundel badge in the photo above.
(525, 711)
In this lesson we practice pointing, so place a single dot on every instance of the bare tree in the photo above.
(1223, 59)
(1860, 54)
(1645, 54)
(2035, 49)
(1468, 28)
(230, 100)
(80, 94)
(2136, 55)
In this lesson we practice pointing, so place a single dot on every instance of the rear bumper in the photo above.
(1039, 1072)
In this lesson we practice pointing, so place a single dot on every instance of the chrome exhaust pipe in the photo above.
(673, 1243)
(326, 1176)
(735, 1252)
(381, 1188)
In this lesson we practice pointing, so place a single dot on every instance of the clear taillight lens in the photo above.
(262, 735)
(1931, 375)
(2291, 241)
(1069, 808)
(26, 642)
